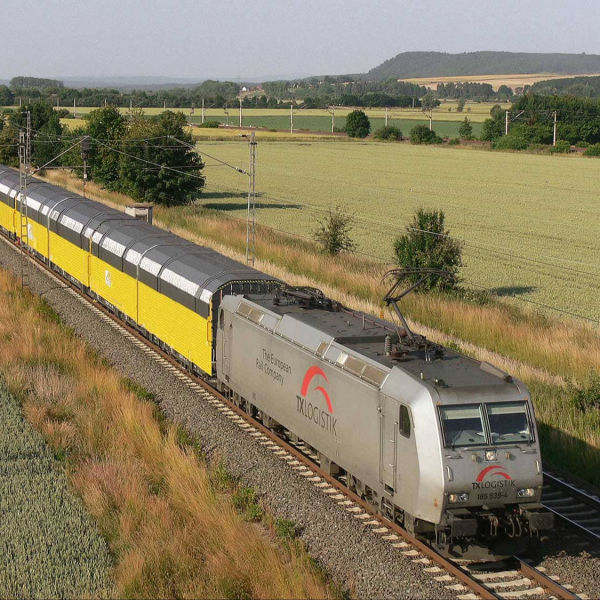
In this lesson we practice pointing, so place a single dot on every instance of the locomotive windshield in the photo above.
(463, 425)
(508, 422)
(481, 424)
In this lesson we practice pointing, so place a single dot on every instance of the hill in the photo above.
(438, 64)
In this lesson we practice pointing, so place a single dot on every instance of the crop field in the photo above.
(48, 546)
(530, 223)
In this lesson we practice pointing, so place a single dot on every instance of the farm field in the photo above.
(49, 547)
(531, 224)
(511, 80)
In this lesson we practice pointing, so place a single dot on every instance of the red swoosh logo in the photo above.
(485, 471)
(310, 374)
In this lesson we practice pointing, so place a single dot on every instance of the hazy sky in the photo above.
(226, 38)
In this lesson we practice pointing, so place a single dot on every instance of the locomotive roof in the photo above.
(189, 273)
(364, 336)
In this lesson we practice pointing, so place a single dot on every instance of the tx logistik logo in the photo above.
(310, 411)
(494, 470)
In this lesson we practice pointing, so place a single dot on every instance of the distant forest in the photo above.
(573, 86)
(440, 64)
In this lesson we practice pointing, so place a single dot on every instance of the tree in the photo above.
(461, 105)
(159, 168)
(421, 134)
(428, 245)
(357, 124)
(466, 129)
(429, 101)
(334, 230)
(108, 126)
(492, 130)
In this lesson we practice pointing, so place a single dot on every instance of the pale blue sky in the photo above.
(258, 38)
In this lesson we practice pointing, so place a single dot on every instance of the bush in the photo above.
(357, 124)
(421, 134)
(389, 132)
(562, 146)
(593, 150)
(333, 233)
(454, 141)
(465, 130)
(511, 142)
(587, 398)
(427, 245)
(209, 125)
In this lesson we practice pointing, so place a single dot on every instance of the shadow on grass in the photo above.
(244, 205)
(513, 290)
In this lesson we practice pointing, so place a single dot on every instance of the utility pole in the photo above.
(24, 168)
(251, 221)
(554, 131)
(291, 118)
(240, 112)
(506, 121)
(74, 107)
(57, 102)
(164, 105)
(202, 110)
(85, 153)
(386, 116)
(331, 110)
(130, 104)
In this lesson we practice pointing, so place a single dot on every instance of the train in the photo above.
(438, 442)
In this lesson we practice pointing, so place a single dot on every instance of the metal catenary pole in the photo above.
(251, 221)
(24, 168)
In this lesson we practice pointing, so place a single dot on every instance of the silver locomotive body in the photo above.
(441, 443)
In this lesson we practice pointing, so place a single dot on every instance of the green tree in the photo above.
(357, 124)
(428, 245)
(160, 169)
(108, 126)
(429, 101)
(466, 129)
(388, 132)
(421, 134)
(492, 130)
(461, 105)
(333, 233)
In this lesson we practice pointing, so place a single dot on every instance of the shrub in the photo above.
(209, 124)
(562, 146)
(389, 132)
(593, 150)
(427, 245)
(510, 142)
(333, 233)
(454, 141)
(421, 134)
(357, 124)
(587, 397)
(466, 129)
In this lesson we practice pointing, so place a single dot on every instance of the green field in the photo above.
(531, 223)
(49, 547)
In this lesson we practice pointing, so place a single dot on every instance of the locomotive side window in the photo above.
(509, 422)
(404, 421)
(462, 425)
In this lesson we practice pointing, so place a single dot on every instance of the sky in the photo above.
(198, 39)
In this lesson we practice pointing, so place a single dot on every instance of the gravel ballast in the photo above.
(348, 550)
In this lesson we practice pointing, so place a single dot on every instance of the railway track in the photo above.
(469, 580)
(572, 505)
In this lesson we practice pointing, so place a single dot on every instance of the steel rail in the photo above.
(484, 592)
(553, 587)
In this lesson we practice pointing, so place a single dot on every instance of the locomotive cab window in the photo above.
(404, 421)
(462, 425)
(509, 422)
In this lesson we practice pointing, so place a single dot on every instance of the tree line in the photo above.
(150, 159)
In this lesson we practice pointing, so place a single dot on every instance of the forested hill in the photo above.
(439, 64)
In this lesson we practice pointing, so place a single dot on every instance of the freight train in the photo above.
(440, 443)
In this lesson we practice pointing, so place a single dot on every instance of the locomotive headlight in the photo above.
(456, 498)
(525, 492)
(490, 455)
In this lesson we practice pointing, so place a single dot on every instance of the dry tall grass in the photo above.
(172, 533)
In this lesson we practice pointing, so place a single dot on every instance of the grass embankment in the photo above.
(172, 526)
(48, 546)
(544, 352)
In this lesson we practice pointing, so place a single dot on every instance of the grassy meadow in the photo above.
(531, 224)
(177, 527)
(49, 548)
